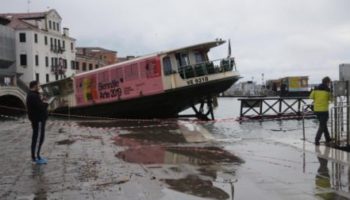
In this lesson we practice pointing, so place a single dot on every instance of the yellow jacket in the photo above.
(321, 96)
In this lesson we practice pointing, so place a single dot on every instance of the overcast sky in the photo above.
(274, 37)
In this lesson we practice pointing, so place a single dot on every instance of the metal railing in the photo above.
(207, 68)
(340, 124)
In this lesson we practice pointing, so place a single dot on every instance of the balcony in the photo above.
(207, 68)
(57, 49)
(58, 69)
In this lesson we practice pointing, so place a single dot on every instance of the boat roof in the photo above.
(205, 45)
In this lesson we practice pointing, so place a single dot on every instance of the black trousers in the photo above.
(38, 132)
(322, 127)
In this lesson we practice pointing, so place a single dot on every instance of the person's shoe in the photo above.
(317, 143)
(41, 161)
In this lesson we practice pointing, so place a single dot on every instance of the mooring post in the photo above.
(261, 107)
(241, 114)
(280, 106)
(299, 106)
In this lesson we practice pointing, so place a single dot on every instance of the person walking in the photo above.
(322, 96)
(37, 114)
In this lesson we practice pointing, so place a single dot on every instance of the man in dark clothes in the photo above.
(37, 114)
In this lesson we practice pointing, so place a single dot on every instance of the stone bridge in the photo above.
(12, 100)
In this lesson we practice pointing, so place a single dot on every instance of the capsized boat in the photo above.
(159, 85)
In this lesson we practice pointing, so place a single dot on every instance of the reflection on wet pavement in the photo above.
(326, 180)
(150, 148)
(194, 185)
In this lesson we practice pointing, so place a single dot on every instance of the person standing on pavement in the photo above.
(322, 96)
(37, 114)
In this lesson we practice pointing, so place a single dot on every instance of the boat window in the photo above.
(103, 77)
(182, 59)
(55, 90)
(199, 57)
(117, 74)
(131, 72)
(167, 65)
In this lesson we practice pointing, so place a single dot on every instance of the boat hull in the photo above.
(164, 105)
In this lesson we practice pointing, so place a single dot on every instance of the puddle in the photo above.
(188, 167)
(145, 151)
(194, 185)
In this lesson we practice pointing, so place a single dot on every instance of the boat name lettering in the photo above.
(109, 85)
(109, 90)
(198, 80)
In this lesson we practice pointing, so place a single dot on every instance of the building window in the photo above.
(23, 59)
(36, 38)
(45, 40)
(90, 66)
(37, 78)
(56, 77)
(72, 63)
(65, 63)
(36, 60)
(52, 61)
(96, 66)
(46, 61)
(50, 25)
(22, 37)
(58, 27)
(47, 78)
(63, 44)
(77, 65)
(71, 46)
(84, 66)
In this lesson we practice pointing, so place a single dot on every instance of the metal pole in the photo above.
(347, 114)
(303, 116)
(332, 127)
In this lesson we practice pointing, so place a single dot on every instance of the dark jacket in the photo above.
(37, 109)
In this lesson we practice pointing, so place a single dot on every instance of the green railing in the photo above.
(207, 68)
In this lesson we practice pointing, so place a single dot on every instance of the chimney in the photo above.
(66, 32)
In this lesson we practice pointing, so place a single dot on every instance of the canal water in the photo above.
(222, 159)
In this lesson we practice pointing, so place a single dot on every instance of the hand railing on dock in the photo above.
(273, 107)
(207, 68)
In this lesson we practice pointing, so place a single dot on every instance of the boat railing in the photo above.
(207, 68)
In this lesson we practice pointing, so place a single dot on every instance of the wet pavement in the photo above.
(171, 160)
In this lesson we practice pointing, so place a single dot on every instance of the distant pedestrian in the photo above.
(322, 96)
(37, 114)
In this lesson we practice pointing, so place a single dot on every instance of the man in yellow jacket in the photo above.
(322, 96)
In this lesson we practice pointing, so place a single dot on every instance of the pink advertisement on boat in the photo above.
(131, 80)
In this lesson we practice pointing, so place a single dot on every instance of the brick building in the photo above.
(89, 58)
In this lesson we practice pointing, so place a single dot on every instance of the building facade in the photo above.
(7, 54)
(89, 58)
(44, 51)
